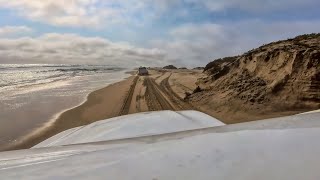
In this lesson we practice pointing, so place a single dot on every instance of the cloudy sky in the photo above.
(146, 32)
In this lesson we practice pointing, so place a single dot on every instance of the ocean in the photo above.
(32, 95)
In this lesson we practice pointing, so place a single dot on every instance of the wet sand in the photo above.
(101, 104)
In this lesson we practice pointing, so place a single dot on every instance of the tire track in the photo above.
(155, 99)
(127, 102)
(177, 100)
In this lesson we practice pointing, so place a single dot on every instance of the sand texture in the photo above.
(276, 79)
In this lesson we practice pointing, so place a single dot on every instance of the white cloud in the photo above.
(255, 6)
(186, 45)
(75, 49)
(197, 44)
(87, 13)
(103, 13)
(10, 31)
(57, 12)
(190, 44)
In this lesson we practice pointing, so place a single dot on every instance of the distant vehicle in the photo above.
(143, 71)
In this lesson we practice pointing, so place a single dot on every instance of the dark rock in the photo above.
(198, 89)
(170, 67)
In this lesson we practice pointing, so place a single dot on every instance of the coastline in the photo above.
(131, 95)
(161, 90)
(98, 105)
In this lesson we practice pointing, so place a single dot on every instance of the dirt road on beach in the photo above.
(145, 94)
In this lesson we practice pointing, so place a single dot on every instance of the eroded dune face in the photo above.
(284, 75)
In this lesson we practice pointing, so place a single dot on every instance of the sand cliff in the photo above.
(280, 77)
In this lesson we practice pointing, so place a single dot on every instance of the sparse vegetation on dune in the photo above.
(280, 74)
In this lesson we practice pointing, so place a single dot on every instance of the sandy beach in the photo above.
(132, 95)
(161, 90)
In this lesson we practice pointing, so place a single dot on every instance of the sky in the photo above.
(130, 33)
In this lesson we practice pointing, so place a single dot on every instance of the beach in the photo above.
(132, 95)
(160, 90)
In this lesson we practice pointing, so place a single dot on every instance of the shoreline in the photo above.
(161, 90)
(26, 110)
(131, 95)
(63, 120)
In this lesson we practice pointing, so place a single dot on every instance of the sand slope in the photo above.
(277, 79)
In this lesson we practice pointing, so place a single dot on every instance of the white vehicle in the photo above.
(142, 71)
(174, 145)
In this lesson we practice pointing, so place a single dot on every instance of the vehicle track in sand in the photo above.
(156, 97)
(180, 103)
(127, 102)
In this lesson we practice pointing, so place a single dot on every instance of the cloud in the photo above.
(186, 45)
(255, 6)
(10, 31)
(179, 32)
(87, 13)
(75, 49)
(57, 12)
(104, 14)
(197, 44)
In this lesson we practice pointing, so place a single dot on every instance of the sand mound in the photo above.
(281, 76)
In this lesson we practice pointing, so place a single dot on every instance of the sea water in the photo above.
(33, 94)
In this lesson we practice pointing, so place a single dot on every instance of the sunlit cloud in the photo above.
(11, 31)
(149, 32)
(197, 44)
(75, 49)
